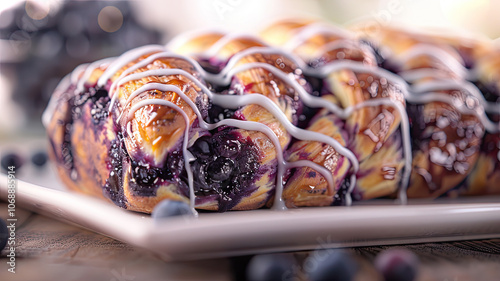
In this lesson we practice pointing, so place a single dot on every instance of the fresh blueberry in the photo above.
(202, 148)
(11, 159)
(39, 158)
(144, 176)
(4, 234)
(397, 265)
(221, 169)
(330, 265)
(170, 208)
(270, 267)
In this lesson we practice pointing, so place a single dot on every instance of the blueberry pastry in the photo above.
(307, 114)
(371, 104)
(453, 109)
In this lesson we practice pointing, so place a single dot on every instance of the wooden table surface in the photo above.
(51, 250)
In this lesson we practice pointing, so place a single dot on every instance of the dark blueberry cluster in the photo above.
(146, 177)
(66, 147)
(217, 113)
(48, 46)
(225, 163)
(339, 197)
(113, 188)
(100, 103)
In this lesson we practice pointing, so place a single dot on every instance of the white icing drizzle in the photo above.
(182, 39)
(414, 75)
(80, 86)
(436, 53)
(125, 59)
(228, 101)
(310, 30)
(187, 155)
(75, 74)
(224, 78)
(255, 126)
(224, 40)
(231, 101)
(334, 45)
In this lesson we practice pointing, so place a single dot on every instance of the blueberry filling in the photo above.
(66, 148)
(217, 113)
(146, 175)
(100, 103)
(113, 188)
(225, 165)
(415, 114)
(489, 91)
(209, 66)
(339, 197)
(99, 99)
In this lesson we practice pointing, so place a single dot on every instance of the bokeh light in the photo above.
(110, 19)
(37, 10)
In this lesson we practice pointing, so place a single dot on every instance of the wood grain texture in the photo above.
(50, 250)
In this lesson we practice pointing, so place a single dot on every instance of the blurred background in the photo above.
(43, 40)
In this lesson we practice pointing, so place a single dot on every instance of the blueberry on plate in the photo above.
(11, 160)
(331, 265)
(397, 265)
(39, 158)
(171, 208)
(4, 234)
(270, 267)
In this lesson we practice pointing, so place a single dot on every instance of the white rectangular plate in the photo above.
(251, 232)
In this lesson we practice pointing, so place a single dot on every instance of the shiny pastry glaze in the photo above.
(234, 101)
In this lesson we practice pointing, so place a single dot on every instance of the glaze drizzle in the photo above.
(421, 93)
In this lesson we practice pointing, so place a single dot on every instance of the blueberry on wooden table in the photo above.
(171, 208)
(270, 267)
(11, 160)
(4, 234)
(397, 265)
(332, 265)
(39, 158)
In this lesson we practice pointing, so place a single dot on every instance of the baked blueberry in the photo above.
(331, 265)
(397, 265)
(170, 208)
(224, 163)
